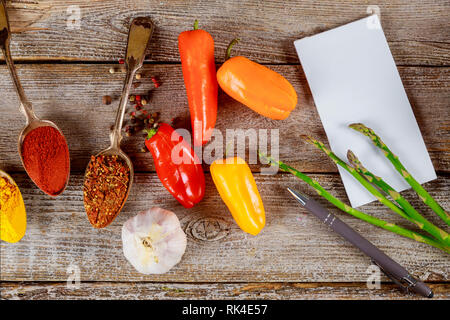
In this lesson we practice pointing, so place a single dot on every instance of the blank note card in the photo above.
(353, 78)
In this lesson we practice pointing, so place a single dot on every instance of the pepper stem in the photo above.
(228, 148)
(230, 46)
(150, 132)
(196, 24)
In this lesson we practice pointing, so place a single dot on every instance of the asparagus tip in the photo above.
(360, 127)
(265, 157)
(352, 158)
(357, 126)
(308, 139)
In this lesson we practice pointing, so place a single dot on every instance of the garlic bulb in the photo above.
(153, 241)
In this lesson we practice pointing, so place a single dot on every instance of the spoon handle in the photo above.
(5, 37)
(141, 30)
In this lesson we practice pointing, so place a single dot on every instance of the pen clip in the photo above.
(405, 283)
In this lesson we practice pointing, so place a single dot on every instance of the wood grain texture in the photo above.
(293, 247)
(70, 95)
(417, 31)
(210, 291)
(295, 257)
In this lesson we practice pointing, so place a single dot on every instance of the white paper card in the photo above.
(353, 78)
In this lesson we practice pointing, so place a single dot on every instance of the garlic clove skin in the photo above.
(153, 241)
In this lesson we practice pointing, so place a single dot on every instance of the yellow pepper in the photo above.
(237, 188)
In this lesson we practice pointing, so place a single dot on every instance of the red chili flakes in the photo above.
(105, 187)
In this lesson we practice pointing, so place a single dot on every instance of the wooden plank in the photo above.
(293, 247)
(417, 30)
(210, 291)
(70, 95)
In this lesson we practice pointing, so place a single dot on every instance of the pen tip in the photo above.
(292, 192)
(298, 196)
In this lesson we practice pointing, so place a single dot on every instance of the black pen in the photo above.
(392, 269)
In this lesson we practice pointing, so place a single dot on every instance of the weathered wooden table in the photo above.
(65, 73)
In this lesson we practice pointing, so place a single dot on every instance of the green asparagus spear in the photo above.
(418, 219)
(422, 193)
(356, 213)
(358, 177)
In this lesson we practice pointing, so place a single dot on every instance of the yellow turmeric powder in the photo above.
(13, 218)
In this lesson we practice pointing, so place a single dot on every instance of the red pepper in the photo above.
(199, 72)
(183, 176)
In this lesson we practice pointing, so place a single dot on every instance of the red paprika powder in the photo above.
(46, 158)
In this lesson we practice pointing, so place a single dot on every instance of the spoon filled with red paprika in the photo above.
(42, 146)
(109, 175)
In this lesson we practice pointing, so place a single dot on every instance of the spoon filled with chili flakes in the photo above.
(109, 174)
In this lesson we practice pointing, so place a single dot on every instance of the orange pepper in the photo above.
(237, 188)
(258, 87)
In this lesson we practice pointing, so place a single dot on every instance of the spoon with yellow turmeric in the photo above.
(13, 217)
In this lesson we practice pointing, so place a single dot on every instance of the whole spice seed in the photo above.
(120, 69)
(155, 82)
(105, 188)
(106, 100)
(140, 118)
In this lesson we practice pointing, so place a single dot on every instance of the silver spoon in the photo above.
(32, 121)
(139, 36)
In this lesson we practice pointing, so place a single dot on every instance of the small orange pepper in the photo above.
(256, 86)
(237, 188)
